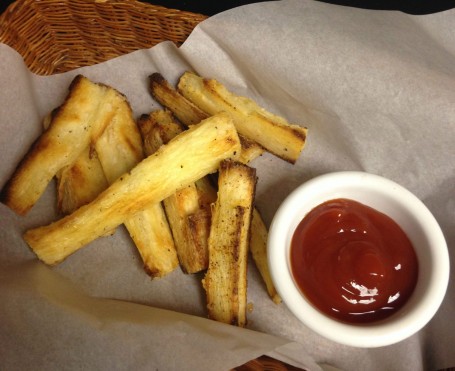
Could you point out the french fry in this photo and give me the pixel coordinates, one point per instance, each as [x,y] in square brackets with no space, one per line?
[193,254]
[119,149]
[183,109]
[80,182]
[79,121]
[186,209]
[188,157]
[207,193]
[199,223]
[198,229]
[152,236]
[225,282]
[272,132]
[258,249]
[250,150]
[157,128]
[189,114]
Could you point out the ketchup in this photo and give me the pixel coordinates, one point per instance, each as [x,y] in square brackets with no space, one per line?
[353,262]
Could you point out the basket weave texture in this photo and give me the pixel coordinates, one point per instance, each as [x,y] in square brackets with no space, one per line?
[56,36]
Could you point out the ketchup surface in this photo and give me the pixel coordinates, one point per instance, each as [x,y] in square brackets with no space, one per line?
[353,262]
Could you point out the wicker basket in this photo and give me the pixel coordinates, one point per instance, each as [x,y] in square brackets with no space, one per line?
[57,36]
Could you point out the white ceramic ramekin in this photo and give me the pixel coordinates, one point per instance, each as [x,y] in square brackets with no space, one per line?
[413,217]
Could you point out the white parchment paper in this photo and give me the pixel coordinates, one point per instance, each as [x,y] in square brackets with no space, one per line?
[376,90]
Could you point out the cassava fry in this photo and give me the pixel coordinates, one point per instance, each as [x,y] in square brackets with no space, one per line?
[250,150]
[183,109]
[193,255]
[188,157]
[80,182]
[79,121]
[187,218]
[225,282]
[189,114]
[119,149]
[258,249]
[272,132]
[151,234]
[157,128]
[207,193]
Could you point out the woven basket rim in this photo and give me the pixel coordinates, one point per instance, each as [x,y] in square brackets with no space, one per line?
[58,36]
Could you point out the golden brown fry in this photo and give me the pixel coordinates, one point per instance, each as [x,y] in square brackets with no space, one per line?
[79,121]
[250,150]
[188,157]
[225,282]
[258,248]
[198,227]
[189,114]
[152,236]
[272,132]
[187,218]
[199,223]
[258,235]
[193,254]
[80,183]
[120,149]
[157,128]
[183,109]
[207,193]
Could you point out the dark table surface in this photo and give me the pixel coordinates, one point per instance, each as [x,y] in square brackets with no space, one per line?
[211,7]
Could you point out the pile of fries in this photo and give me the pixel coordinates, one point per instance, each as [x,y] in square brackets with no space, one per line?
[177,178]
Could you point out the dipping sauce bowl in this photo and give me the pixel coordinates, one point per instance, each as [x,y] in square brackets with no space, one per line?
[430,255]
